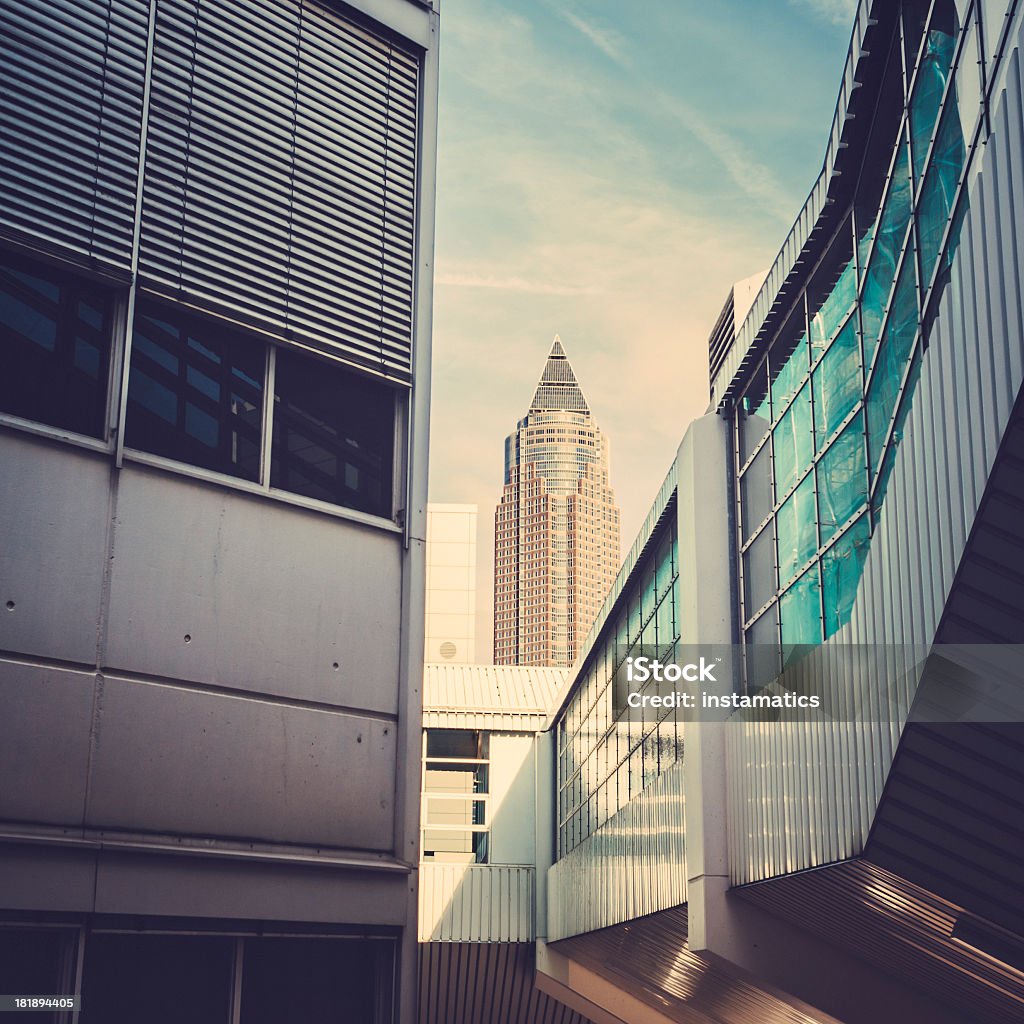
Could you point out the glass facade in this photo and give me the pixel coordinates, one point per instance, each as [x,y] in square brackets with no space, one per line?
[821,416]
[603,760]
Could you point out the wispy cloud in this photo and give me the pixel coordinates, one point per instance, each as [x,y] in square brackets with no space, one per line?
[607,41]
[510,284]
[750,175]
[838,12]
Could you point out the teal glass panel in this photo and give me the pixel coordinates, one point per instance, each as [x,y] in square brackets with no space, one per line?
[788,361]
[826,321]
[756,491]
[842,479]
[793,443]
[892,360]
[892,230]
[798,530]
[841,568]
[929,86]
[939,191]
[759,571]
[838,384]
[800,611]
[832,290]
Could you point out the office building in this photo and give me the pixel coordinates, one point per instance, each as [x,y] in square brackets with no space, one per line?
[215,301]
[451,583]
[556,530]
[850,503]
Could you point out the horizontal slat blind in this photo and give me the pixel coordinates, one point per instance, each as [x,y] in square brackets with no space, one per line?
[71,85]
[280,175]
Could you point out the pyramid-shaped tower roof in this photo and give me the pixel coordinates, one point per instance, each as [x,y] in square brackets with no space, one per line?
[557,389]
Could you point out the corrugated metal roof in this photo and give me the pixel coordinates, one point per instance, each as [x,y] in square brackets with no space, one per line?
[901,928]
[484,983]
[514,697]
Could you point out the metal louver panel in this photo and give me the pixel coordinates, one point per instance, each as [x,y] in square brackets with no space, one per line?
[280,175]
[71,85]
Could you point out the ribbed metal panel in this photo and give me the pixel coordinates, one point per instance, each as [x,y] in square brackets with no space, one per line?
[633,865]
[476,903]
[280,175]
[805,795]
[505,698]
[71,88]
[485,983]
[649,959]
[902,928]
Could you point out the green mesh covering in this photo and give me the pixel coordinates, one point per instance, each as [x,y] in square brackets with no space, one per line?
[798,534]
[842,479]
[924,104]
[837,383]
[891,360]
[794,445]
[841,567]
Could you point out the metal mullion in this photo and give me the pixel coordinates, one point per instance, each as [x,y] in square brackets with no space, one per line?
[267,417]
[236,981]
[126,353]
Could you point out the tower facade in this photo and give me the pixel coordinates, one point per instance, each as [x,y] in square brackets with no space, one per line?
[556,530]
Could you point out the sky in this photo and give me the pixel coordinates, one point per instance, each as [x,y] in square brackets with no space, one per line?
[606,171]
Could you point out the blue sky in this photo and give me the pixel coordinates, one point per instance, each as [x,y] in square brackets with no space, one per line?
[605,172]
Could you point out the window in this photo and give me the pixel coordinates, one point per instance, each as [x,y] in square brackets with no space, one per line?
[455,787]
[54,347]
[334,435]
[121,973]
[195,392]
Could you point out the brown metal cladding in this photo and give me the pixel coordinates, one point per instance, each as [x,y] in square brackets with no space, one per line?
[485,983]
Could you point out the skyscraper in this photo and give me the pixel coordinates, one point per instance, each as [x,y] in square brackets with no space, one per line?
[556,530]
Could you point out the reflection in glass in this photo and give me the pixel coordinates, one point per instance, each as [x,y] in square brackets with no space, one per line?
[797,530]
[837,383]
[842,479]
[793,443]
[759,571]
[54,348]
[936,60]
[886,253]
[333,434]
[892,360]
[195,391]
[841,568]
[788,361]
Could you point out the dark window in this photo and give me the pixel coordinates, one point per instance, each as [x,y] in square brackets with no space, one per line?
[159,979]
[54,347]
[296,981]
[34,962]
[195,392]
[334,434]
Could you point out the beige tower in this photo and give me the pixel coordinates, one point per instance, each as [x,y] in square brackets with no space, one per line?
[556,531]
